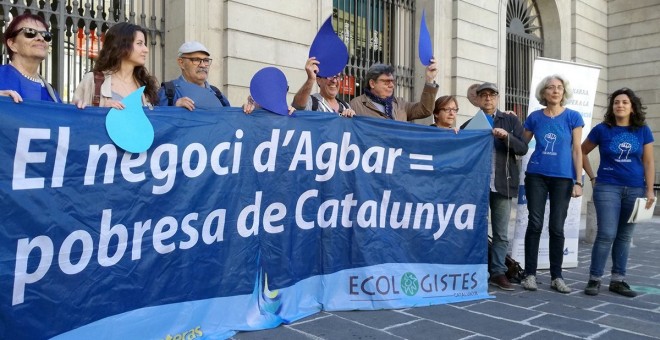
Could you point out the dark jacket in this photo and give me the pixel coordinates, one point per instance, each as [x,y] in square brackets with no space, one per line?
[507,174]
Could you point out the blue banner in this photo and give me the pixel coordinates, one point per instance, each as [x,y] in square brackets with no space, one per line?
[231,221]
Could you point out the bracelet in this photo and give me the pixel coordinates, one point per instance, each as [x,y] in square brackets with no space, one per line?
[580,184]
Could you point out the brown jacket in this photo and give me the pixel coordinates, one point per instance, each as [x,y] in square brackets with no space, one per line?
[401,109]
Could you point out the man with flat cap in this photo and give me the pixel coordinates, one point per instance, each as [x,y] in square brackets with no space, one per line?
[192,89]
[504,179]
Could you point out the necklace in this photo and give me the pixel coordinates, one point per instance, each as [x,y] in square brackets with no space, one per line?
[551,114]
[36,79]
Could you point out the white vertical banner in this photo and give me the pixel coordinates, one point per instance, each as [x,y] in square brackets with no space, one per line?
[584,81]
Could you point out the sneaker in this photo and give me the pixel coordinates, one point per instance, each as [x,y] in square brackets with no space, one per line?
[500,281]
[559,285]
[529,283]
[621,287]
[593,287]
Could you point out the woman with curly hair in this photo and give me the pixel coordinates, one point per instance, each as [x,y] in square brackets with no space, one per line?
[119,70]
[626,172]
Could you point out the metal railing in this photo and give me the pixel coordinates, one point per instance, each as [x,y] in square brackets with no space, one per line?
[376,31]
[524,42]
[78,29]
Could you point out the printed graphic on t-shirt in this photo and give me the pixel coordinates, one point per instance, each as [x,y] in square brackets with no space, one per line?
[623,145]
[551,137]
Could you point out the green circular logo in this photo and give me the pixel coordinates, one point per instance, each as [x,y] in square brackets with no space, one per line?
[409,284]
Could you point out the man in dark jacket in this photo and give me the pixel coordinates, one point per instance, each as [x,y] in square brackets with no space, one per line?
[504,180]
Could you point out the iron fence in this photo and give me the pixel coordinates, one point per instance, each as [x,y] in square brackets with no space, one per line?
[376,31]
[524,42]
[78,29]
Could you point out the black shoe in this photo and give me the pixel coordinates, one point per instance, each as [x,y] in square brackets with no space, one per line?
[620,287]
[593,287]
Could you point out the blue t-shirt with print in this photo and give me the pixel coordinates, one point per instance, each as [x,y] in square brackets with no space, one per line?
[621,149]
[553,155]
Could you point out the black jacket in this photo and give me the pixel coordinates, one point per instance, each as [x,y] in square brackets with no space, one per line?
[507,174]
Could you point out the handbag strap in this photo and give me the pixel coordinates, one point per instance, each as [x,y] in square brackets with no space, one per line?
[99,78]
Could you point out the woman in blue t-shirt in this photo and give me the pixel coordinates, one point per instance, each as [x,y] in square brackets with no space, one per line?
[626,172]
[553,170]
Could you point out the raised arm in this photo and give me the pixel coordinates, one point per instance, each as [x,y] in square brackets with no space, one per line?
[302,96]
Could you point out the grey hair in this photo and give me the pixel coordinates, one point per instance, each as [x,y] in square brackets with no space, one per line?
[568,90]
[375,71]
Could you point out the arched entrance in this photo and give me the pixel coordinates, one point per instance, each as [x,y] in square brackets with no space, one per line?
[524,42]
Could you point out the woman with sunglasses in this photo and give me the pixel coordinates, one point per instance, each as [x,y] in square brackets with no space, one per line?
[27,39]
[119,70]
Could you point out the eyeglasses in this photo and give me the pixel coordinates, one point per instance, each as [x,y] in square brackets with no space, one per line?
[447,110]
[31,33]
[338,77]
[387,81]
[199,61]
[488,94]
[554,87]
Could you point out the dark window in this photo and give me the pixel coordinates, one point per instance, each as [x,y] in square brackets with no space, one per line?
[524,42]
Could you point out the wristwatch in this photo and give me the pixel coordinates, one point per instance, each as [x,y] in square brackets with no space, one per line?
[580,184]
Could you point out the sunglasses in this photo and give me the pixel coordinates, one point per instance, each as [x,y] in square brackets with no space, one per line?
[31,33]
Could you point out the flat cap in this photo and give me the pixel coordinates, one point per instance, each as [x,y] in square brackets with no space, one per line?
[488,86]
[192,46]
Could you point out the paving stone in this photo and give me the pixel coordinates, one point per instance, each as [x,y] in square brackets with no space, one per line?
[651,298]
[569,312]
[521,299]
[565,325]
[545,334]
[334,327]
[615,334]
[501,310]
[633,325]
[639,314]
[425,329]
[467,320]
[377,319]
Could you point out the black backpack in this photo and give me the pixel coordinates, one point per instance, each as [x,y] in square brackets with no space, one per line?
[169,92]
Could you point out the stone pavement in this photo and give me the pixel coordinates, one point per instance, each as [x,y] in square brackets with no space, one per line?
[544,314]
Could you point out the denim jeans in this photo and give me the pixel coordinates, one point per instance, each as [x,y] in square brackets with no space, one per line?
[537,188]
[614,205]
[500,213]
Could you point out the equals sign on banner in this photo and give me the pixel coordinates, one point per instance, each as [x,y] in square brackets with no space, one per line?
[421,162]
